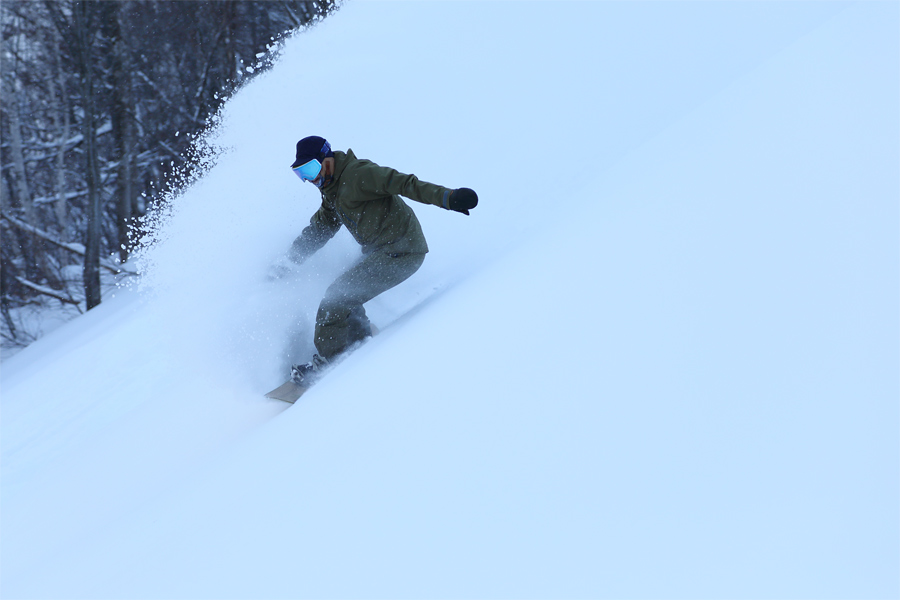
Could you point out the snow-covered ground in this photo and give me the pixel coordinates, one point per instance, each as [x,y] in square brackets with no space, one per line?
[660,359]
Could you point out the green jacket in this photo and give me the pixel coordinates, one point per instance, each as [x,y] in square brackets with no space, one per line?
[365,198]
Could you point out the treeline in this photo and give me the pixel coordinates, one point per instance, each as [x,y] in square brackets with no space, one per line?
[100,102]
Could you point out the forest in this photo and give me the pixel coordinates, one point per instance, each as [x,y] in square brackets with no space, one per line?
[101,101]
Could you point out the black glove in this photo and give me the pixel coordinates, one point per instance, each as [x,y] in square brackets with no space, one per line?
[462,200]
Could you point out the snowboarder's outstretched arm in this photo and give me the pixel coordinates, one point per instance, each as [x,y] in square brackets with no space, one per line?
[380,181]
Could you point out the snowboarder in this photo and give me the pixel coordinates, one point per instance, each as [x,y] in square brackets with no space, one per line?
[365,198]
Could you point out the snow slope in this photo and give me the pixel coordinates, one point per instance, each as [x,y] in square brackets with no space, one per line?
[660,359]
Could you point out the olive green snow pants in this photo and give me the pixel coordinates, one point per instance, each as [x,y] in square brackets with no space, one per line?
[341,320]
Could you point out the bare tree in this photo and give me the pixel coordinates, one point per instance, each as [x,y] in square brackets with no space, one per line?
[101,100]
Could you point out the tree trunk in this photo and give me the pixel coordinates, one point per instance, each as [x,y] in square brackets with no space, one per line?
[64,127]
[122,123]
[91,274]
[22,192]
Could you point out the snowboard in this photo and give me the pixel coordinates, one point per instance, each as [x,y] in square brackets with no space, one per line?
[290,392]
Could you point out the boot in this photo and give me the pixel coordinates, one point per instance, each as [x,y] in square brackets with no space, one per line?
[308,373]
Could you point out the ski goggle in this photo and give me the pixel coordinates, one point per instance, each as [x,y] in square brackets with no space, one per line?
[308,171]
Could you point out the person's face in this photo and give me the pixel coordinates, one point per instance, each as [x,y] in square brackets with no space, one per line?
[317,181]
[324,173]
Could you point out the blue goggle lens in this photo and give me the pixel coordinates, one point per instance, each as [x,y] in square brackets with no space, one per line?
[308,171]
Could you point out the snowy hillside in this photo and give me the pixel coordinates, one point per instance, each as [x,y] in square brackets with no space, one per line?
[660,359]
